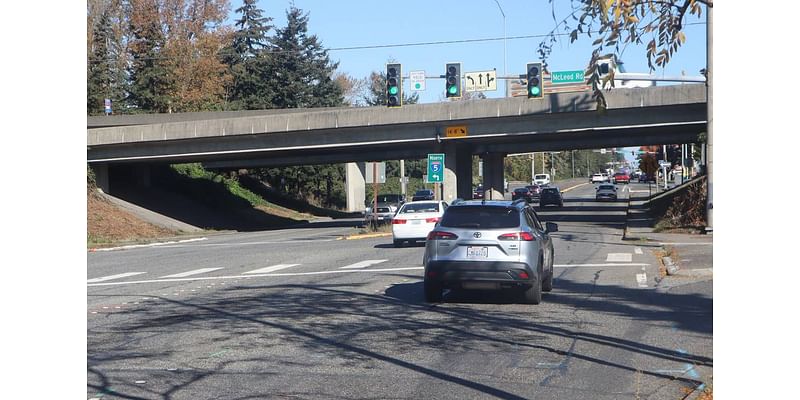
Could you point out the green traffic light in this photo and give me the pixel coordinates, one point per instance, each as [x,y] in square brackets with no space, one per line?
[393,90]
[452,89]
[535,91]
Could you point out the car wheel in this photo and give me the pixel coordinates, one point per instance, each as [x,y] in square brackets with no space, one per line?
[547,285]
[433,292]
[533,295]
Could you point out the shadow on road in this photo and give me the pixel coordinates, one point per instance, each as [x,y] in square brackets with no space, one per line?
[346,326]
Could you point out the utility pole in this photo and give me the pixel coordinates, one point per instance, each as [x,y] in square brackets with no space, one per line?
[403,177]
[710,117]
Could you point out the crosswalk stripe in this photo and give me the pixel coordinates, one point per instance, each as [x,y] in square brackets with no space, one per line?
[601,265]
[363,264]
[110,277]
[190,273]
[638,250]
[619,257]
[271,269]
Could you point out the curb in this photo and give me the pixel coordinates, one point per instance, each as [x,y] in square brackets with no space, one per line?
[672,268]
[365,236]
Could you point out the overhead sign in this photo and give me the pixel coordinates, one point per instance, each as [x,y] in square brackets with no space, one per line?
[567,77]
[480,81]
[435,168]
[417,79]
[456,131]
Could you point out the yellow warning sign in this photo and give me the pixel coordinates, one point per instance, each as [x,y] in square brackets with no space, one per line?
[456,131]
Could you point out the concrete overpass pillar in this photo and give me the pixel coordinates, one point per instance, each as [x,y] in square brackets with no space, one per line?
[493,176]
[101,177]
[458,173]
[355,184]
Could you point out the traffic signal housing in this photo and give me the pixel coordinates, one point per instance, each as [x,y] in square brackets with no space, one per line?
[394,85]
[452,76]
[534,76]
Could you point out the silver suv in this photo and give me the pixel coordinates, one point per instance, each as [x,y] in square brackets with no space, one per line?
[496,245]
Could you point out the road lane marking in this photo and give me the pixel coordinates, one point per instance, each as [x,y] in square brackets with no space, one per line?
[363,264]
[206,278]
[110,277]
[638,250]
[601,265]
[619,257]
[641,279]
[137,246]
[686,244]
[271,269]
[190,273]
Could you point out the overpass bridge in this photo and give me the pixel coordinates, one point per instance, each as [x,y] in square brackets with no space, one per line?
[492,128]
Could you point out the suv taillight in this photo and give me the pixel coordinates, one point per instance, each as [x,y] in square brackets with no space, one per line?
[398,221]
[438,235]
[523,236]
[434,220]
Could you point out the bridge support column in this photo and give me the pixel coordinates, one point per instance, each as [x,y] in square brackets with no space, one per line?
[355,185]
[494,187]
[457,173]
[101,177]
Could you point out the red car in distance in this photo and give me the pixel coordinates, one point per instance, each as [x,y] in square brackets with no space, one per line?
[620,177]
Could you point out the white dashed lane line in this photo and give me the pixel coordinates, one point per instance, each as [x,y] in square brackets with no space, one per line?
[190,273]
[111,277]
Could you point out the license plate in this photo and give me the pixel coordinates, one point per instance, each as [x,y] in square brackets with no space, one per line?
[477,252]
[416,221]
[479,285]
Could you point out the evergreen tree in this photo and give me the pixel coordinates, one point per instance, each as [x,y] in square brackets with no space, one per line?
[303,71]
[107,56]
[149,77]
[248,60]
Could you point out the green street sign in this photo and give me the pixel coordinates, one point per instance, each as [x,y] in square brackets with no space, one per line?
[435,168]
[567,77]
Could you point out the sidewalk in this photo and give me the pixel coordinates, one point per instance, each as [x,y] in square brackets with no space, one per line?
[687,254]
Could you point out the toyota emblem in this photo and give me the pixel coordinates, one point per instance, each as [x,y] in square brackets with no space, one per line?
[476,235]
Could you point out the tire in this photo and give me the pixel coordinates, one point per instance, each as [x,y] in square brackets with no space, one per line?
[433,292]
[533,295]
[547,285]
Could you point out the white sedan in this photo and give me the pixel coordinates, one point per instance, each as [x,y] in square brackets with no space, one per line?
[415,220]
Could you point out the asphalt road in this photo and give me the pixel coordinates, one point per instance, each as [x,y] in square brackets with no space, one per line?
[298,313]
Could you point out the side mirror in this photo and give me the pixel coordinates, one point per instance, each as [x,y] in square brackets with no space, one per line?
[551,227]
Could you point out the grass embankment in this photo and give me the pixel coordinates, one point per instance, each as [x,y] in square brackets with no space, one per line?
[186,192]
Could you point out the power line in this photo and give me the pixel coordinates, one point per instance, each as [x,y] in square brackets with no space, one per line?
[418,44]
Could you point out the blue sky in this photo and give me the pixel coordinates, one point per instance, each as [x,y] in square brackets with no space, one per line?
[341,24]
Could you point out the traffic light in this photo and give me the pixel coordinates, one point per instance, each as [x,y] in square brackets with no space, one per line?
[535,90]
[452,80]
[394,86]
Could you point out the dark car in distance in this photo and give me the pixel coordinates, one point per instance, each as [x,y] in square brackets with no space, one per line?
[551,195]
[424,194]
[535,190]
[522,193]
[478,192]
[644,178]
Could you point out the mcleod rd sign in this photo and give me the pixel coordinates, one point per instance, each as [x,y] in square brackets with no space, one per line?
[567,77]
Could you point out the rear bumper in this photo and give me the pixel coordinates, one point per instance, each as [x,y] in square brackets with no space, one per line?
[480,274]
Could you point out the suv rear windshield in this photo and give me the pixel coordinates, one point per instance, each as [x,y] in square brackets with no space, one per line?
[423,193]
[521,190]
[540,177]
[550,190]
[480,217]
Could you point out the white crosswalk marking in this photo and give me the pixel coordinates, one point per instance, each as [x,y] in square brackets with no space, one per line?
[619,257]
[638,250]
[110,277]
[190,273]
[273,268]
[363,264]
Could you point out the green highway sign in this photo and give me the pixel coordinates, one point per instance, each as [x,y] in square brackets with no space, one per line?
[567,77]
[435,168]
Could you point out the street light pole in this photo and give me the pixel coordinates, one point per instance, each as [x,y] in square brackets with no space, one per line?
[505,71]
